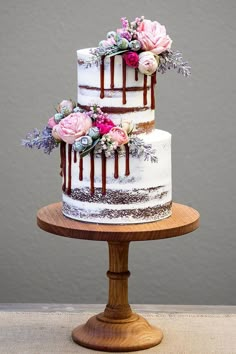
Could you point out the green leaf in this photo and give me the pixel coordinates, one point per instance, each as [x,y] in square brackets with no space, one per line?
[116,53]
[87,151]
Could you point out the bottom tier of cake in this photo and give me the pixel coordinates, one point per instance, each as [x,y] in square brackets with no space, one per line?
[120,189]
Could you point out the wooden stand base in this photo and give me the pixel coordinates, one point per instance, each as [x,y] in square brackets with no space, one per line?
[118,329]
[120,336]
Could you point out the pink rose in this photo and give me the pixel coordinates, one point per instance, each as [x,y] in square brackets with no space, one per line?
[153,37]
[66,107]
[104,125]
[147,63]
[118,135]
[131,59]
[55,133]
[104,128]
[73,126]
[51,122]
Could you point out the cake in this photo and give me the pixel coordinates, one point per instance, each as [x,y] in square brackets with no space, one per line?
[115,165]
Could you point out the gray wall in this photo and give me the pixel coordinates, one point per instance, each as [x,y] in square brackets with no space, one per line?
[38,68]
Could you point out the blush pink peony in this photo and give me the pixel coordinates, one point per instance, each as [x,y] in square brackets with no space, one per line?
[147,63]
[73,126]
[118,135]
[153,37]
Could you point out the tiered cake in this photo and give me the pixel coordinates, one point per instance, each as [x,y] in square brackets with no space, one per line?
[118,189]
[115,166]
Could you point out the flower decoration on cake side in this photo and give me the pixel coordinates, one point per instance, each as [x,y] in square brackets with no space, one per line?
[144,45]
[88,130]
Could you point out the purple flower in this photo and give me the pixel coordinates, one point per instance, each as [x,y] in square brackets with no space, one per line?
[127,35]
[125,22]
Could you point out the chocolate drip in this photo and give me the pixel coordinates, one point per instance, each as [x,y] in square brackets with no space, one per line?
[61,155]
[81,169]
[112,71]
[123,81]
[92,172]
[153,82]
[145,127]
[63,164]
[116,169]
[104,172]
[102,69]
[127,170]
[75,156]
[155,77]
[144,90]
[108,90]
[136,74]
[69,168]
[116,110]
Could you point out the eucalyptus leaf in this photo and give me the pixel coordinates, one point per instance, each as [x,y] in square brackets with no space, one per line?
[87,151]
[120,52]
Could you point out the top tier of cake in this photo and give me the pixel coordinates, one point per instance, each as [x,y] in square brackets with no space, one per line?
[121,91]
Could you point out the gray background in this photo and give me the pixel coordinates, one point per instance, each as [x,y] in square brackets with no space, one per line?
[39,40]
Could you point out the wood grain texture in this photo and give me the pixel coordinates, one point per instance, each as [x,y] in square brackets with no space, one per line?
[117,337]
[118,329]
[118,307]
[183,220]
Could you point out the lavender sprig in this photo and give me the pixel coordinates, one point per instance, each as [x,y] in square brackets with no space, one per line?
[41,140]
[173,60]
[138,148]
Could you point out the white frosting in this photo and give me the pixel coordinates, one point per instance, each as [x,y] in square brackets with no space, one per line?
[90,94]
[144,175]
[144,195]
[147,173]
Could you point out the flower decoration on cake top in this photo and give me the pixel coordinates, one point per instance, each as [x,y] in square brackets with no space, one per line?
[88,130]
[143,44]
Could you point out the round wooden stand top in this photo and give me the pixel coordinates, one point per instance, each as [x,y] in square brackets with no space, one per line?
[183,220]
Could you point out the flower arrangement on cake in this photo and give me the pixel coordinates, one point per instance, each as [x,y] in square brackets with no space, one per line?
[144,46]
[86,131]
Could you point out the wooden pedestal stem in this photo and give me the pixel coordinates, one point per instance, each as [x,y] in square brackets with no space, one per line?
[118,274]
[118,329]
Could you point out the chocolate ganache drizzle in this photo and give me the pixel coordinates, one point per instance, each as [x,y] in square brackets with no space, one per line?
[66,167]
[66,149]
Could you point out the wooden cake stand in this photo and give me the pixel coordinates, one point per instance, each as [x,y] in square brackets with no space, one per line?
[118,328]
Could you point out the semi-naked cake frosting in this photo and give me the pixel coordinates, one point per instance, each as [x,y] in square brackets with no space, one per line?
[119,189]
[121,91]
[115,165]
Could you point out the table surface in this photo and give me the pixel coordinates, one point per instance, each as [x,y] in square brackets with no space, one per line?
[183,220]
[46,328]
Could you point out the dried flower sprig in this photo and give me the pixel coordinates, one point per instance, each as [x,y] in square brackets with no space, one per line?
[41,140]
[107,146]
[137,148]
[173,60]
